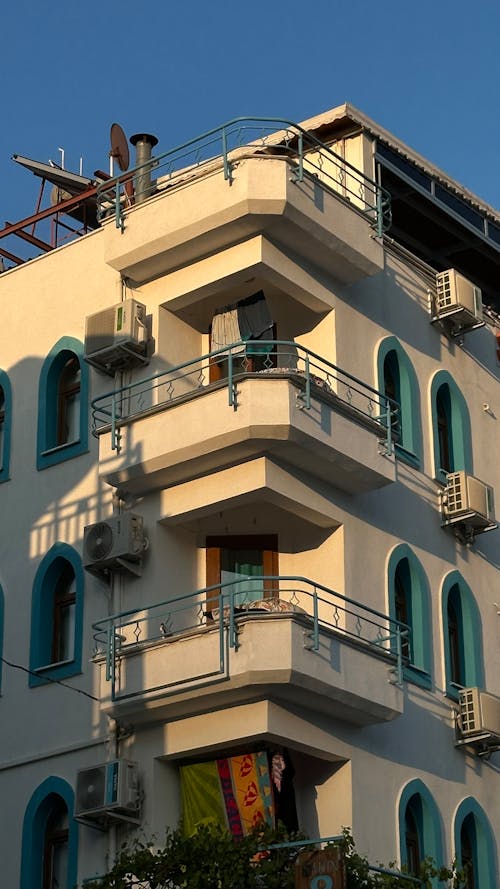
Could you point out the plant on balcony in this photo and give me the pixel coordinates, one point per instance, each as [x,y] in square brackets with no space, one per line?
[213,859]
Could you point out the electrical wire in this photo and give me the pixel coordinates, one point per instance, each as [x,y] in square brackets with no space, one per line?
[79,691]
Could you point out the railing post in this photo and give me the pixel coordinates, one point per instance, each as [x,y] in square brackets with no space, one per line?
[230,382]
[228,172]
[233,641]
[300,150]
[118,207]
[388,413]
[110,652]
[380,213]
[316,623]
[399,654]
[308,384]
[114,441]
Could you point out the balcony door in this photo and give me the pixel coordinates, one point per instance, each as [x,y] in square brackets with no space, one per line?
[238,564]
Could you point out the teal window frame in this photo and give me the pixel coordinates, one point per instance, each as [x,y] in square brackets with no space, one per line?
[470,634]
[2,619]
[459,428]
[42,616]
[409,447]
[36,818]
[49,452]
[419,670]
[427,819]
[6,427]
[483,843]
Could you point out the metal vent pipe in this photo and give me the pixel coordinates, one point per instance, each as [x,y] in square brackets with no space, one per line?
[144,144]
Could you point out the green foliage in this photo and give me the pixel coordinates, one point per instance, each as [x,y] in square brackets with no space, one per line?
[361,875]
[213,859]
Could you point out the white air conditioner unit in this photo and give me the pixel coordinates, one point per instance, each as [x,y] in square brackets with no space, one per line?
[116,544]
[458,300]
[109,789]
[479,713]
[469,500]
[116,338]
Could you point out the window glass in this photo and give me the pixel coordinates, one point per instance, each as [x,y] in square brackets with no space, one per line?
[2,425]
[68,408]
[63,623]
[443,410]
[55,859]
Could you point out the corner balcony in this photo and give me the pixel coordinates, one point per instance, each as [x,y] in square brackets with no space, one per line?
[274,399]
[248,177]
[285,639]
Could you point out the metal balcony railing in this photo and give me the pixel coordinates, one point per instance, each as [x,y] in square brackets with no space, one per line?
[264,137]
[220,609]
[271,359]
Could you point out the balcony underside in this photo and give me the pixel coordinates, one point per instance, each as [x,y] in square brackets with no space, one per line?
[262,721]
[207,214]
[186,675]
[204,435]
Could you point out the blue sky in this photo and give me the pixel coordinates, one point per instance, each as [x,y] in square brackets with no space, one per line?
[427,71]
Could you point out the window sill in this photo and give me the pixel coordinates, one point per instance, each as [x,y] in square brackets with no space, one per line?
[50,673]
[52,456]
[417,676]
[407,456]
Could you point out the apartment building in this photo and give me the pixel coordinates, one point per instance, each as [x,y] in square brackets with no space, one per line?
[249,560]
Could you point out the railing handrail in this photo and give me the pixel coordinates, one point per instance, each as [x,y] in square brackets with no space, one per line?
[221,128]
[198,594]
[109,191]
[154,378]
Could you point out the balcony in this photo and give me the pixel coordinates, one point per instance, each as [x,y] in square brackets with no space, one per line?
[236,404]
[285,639]
[248,177]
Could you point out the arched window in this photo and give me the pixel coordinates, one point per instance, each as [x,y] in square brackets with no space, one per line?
[5,425]
[63,404]
[57,616]
[462,636]
[420,828]
[50,838]
[475,846]
[397,379]
[408,594]
[451,427]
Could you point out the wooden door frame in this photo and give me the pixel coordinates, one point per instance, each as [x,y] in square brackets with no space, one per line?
[268,543]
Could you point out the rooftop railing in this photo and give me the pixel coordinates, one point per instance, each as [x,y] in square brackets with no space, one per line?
[220,610]
[313,376]
[222,148]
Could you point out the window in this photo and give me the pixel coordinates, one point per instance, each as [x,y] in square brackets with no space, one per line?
[248,319]
[462,636]
[408,593]
[398,381]
[57,616]
[5,425]
[419,826]
[50,838]
[63,404]
[475,845]
[451,426]
[239,564]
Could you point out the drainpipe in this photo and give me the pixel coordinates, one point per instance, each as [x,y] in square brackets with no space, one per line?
[144,143]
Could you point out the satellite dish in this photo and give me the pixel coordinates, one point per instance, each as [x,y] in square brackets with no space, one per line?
[119,147]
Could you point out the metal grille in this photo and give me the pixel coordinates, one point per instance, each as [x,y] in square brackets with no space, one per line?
[100,330]
[468,711]
[444,297]
[455,494]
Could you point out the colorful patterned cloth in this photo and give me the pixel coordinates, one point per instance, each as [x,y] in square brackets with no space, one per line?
[235,793]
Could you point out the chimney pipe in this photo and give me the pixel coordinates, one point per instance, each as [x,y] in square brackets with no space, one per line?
[144,143]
